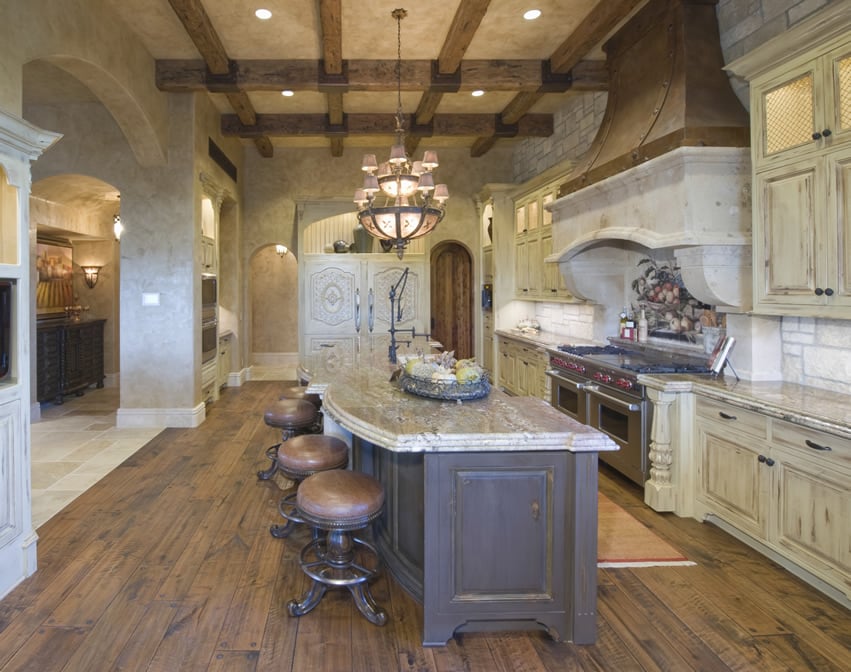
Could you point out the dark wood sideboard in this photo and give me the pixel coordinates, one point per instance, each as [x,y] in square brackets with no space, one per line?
[69,358]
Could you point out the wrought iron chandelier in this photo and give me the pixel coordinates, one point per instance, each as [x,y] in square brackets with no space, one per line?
[411,204]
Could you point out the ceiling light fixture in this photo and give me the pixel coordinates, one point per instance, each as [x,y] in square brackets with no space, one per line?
[263,14]
[532,14]
[287,93]
[412,205]
[477,93]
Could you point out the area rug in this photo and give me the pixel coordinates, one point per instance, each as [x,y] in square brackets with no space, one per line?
[623,541]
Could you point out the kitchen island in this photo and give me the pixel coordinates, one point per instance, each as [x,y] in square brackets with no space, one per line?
[491,505]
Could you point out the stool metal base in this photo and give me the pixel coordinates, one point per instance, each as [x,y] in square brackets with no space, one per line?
[272,454]
[289,511]
[330,561]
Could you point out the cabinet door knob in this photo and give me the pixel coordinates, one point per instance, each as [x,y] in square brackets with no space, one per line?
[769,462]
[828,292]
[826,133]
[761,458]
[816,136]
[819,291]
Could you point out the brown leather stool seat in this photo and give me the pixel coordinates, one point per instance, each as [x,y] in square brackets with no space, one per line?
[340,502]
[298,458]
[292,417]
[299,392]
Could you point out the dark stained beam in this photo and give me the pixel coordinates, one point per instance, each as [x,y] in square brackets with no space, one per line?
[461,31]
[331,22]
[180,76]
[276,125]
[590,32]
[588,76]
[200,30]
[219,68]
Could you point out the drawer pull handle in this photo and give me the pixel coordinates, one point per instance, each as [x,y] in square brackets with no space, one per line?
[727,416]
[816,446]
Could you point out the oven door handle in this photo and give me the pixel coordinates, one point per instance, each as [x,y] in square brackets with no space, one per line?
[575,384]
[593,389]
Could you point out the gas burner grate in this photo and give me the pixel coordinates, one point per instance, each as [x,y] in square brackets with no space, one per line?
[667,368]
[584,350]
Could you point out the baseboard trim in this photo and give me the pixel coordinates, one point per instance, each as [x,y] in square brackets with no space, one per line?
[160,417]
[237,378]
[274,358]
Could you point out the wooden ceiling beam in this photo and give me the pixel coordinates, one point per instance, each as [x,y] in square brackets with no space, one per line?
[463,28]
[590,32]
[200,30]
[218,67]
[331,22]
[473,125]
[361,75]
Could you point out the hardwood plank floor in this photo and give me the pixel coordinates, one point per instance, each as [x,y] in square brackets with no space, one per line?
[167,564]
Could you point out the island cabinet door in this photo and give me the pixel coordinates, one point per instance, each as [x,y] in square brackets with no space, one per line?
[500,543]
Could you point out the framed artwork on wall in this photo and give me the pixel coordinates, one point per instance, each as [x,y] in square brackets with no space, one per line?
[55,267]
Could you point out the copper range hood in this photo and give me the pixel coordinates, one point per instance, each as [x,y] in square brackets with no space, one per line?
[667,89]
[668,173]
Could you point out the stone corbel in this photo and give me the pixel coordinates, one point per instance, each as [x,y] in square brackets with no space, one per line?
[672,468]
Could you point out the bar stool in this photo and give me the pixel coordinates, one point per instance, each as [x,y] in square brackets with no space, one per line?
[292,417]
[340,502]
[300,392]
[298,458]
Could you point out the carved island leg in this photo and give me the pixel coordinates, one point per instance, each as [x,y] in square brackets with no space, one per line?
[671,446]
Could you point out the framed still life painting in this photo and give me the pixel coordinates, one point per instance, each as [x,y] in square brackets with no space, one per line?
[54,266]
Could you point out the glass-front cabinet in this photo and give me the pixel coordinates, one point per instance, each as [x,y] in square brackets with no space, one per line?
[800,88]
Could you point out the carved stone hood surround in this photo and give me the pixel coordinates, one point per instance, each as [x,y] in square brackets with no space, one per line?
[669,169]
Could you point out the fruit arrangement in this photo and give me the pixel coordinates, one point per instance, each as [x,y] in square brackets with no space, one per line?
[444,377]
[444,367]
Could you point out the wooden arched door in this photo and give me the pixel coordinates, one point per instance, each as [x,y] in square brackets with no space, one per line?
[452,298]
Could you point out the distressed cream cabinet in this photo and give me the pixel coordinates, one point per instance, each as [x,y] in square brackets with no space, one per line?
[345,296]
[801,150]
[785,485]
[522,368]
[533,241]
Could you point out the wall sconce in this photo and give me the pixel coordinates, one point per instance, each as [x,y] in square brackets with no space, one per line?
[91,273]
[281,250]
[117,227]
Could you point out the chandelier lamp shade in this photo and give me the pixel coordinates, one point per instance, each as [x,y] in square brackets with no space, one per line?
[399,200]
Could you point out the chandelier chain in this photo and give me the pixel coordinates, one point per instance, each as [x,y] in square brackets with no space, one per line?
[399,14]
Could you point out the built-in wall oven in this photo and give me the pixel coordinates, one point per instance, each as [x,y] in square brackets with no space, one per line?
[209,315]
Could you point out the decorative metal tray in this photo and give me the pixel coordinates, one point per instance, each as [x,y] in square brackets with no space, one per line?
[445,389]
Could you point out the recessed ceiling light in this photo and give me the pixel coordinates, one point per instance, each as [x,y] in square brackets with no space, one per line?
[263,14]
[287,93]
[532,14]
[477,93]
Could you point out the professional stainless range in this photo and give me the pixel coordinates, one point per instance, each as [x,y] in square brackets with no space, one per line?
[598,386]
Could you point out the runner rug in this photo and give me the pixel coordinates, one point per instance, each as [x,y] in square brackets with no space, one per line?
[623,541]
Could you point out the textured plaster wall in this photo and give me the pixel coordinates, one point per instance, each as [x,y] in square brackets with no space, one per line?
[815,351]
[273,286]
[158,343]
[86,37]
[273,186]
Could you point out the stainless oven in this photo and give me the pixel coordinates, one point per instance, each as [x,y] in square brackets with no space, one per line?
[209,340]
[623,416]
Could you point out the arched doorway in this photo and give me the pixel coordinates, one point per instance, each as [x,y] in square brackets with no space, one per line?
[452,298]
[273,305]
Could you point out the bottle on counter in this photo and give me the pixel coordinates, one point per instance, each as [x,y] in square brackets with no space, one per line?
[642,327]
[622,328]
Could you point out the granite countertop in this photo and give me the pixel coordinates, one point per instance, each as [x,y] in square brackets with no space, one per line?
[358,395]
[547,340]
[811,407]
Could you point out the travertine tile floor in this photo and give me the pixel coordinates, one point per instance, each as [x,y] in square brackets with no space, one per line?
[75,444]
